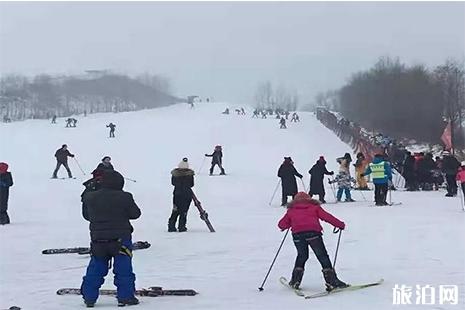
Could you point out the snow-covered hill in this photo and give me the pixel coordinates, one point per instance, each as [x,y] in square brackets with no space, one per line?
[420,242]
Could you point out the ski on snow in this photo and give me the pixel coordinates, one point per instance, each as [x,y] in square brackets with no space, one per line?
[139,245]
[301,293]
[154,291]
[203,213]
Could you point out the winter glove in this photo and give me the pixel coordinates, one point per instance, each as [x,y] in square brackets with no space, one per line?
[71,155]
[206,154]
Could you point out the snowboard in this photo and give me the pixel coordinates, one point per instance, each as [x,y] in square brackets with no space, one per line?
[139,245]
[203,213]
[154,291]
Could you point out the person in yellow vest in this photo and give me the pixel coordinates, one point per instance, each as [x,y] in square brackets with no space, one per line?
[360,167]
[381,173]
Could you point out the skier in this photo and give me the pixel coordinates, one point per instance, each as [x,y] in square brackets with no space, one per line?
[112,129]
[182,178]
[74,122]
[226,111]
[282,122]
[303,218]
[382,175]
[255,113]
[360,167]
[287,173]
[54,119]
[242,111]
[62,159]
[263,115]
[217,159]
[450,164]
[6,181]
[343,180]
[69,122]
[109,210]
[461,177]
[295,118]
[317,173]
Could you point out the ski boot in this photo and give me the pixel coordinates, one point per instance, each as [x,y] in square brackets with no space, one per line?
[296,279]
[172,229]
[182,229]
[222,172]
[89,303]
[128,302]
[331,280]
[349,200]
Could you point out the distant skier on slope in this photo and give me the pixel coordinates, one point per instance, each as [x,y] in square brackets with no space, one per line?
[282,123]
[109,211]
[317,173]
[112,129]
[62,155]
[217,159]
[182,178]
[303,218]
[381,174]
[6,181]
[287,173]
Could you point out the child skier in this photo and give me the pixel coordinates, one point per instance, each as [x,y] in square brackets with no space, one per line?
[217,159]
[343,180]
[303,218]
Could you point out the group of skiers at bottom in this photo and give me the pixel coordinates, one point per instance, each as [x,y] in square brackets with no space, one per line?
[379,169]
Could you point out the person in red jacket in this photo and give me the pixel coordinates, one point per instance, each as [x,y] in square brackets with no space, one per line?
[303,218]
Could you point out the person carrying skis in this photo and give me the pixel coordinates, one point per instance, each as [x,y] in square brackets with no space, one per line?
[109,210]
[62,155]
[303,218]
[360,167]
[381,176]
[217,159]
[112,129]
[182,178]
[343,180]
[282,123]
[317,174]
[287,173]
[450,164]
[6,181]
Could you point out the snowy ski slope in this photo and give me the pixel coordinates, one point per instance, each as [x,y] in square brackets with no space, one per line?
[420,242]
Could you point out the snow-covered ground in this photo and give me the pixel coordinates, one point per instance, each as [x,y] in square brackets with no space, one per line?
[420,242]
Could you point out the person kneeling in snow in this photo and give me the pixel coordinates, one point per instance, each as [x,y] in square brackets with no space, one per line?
[303,218]
[343,180]
[109,210]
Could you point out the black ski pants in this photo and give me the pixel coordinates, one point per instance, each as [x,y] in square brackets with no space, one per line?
[381,193]
[181,205]
[315,241]
[451,184]
[65,164]
[4,193]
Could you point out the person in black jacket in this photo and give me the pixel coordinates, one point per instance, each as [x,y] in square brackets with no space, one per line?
[6,181]
[109,210]
[317,174]
[450,166]
[182,178]
[112,129]
[408,172]
[62,159]
[217,159]
[287,173]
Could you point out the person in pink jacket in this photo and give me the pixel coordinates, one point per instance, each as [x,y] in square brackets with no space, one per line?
[461,177]
[303,218]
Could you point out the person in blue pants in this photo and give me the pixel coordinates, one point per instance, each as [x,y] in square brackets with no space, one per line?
[109,210]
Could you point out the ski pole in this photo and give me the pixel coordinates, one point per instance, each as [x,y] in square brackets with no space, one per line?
[332,188]
[274,193]
[303,184]
[201,166]
[272,263]
[337,230]
[79,166]
[132,180]
[361,193]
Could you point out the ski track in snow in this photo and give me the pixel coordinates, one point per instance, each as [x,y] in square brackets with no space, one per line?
[420,242]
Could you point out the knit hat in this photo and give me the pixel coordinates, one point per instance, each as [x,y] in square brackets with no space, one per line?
[302,196]
[3,167]
[105,157]
[184,164]
[322,159]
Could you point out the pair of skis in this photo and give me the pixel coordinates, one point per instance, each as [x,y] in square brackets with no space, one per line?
[139,245]
[306,295]
[203,213]
[154,291]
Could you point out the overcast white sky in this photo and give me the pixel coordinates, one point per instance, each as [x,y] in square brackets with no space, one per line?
[224,49]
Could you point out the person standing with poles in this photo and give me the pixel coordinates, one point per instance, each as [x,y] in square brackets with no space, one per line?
[112,129]
[303,218]
[217,159]
[381,175]
[317,174]
[62,155]
[287,173]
